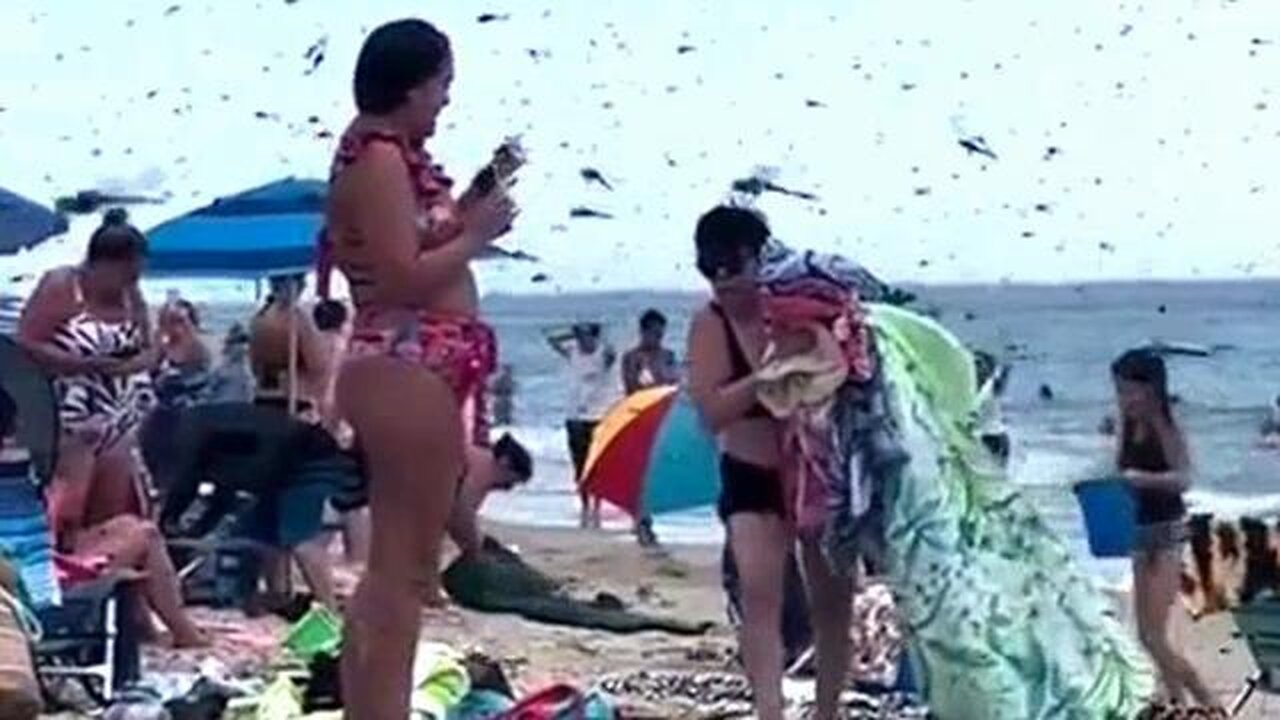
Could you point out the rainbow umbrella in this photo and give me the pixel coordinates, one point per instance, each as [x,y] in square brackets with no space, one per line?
[651,454]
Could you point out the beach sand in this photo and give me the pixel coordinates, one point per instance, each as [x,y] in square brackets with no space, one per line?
[685,583]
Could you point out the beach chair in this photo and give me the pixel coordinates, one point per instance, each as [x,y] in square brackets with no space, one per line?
[81,636]
[1259,625]
[85,640]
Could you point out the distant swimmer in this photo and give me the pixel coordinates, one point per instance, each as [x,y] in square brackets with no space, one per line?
[1107,426]
[1045,393]
[1270,428]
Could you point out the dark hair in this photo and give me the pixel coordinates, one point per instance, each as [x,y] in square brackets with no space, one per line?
[116,240]
[652,318]
[1147,368]
[396,58]
[189,308]
[517,459]
[8,414]
[285,286]
[236,335]
[329,315]
[722,236]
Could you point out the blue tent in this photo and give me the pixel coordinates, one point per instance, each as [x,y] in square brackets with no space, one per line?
[269,230]
[264,231]
[24,223]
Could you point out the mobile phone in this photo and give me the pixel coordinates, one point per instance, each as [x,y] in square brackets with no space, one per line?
[486,180]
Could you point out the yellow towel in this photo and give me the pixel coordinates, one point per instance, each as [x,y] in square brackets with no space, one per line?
[805,379]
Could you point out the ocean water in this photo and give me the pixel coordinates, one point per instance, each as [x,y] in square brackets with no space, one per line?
[1063,337]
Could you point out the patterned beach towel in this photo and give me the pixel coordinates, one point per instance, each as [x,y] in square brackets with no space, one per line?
[1001,621]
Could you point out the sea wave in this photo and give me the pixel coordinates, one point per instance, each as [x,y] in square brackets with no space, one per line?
[1232,505]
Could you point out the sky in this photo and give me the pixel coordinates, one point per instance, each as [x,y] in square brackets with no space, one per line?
[1133,140]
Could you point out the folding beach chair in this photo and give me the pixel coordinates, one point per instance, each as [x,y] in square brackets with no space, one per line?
[1259,624]
[86,639]
[82,636]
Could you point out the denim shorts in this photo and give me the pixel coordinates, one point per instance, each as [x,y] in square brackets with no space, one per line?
[1157,537]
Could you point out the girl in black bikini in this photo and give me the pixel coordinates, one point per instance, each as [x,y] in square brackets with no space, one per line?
[727,338]
[1152,456]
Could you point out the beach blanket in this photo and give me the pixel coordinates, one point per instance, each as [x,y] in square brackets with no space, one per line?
[1001,621]
[498,581]
[707,695]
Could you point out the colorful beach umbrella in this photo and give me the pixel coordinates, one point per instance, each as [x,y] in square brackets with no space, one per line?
[651,454]
[25,223]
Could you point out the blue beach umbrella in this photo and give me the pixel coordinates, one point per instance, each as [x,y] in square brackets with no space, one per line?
[24,223]
[268,230]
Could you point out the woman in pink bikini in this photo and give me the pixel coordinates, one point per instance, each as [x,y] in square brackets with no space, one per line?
[419,356]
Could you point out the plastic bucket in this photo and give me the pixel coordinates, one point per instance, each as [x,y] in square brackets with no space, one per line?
[1109,521]
[318,632]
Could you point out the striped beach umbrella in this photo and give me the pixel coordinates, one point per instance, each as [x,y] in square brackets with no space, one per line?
[651,454]
[263,231]
[25,223]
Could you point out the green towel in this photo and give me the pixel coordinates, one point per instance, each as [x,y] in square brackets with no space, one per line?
[1002,622]
[498,581]
[440,680]
[280,701]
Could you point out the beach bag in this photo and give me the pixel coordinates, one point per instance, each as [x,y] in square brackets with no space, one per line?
[561,702]
[19,689]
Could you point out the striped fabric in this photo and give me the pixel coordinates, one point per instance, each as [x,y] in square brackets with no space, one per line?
[112,405]
[24,531]
[10,308]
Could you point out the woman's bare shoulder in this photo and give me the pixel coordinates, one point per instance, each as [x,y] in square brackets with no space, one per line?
[706,320]
[59,278]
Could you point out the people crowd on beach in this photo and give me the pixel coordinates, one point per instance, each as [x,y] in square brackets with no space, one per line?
[400,379]
[591,363]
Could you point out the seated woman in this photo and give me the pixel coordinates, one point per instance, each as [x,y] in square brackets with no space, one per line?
[183,376]
[88,326]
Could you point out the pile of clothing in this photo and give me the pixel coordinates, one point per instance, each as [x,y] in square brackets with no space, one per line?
[821,374]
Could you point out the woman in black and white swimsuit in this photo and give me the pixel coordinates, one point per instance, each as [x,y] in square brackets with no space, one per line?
[87,325]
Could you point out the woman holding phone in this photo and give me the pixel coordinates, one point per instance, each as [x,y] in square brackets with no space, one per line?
[413,382]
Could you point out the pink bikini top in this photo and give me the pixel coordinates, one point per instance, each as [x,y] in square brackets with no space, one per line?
[437,220]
